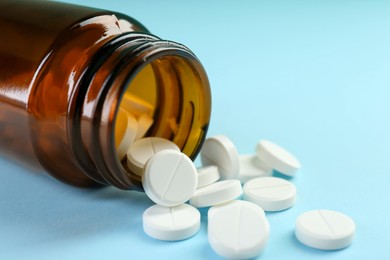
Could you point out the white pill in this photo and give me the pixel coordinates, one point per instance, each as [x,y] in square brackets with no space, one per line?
[325,229]
[126,134]
[237,229]
[170,178]
[277,157]
[252,167]
[220,151]
[170,224]
[270,193]
[144,123]
[136,105]
[207,175]
[216,193]
[142,149]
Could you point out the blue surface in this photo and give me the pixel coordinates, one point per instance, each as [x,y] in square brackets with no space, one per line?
[311,76]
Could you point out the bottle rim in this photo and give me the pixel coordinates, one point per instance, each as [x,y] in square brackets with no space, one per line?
[130,53]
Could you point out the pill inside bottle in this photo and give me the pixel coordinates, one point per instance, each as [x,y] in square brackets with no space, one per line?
[154,99]
[85,84]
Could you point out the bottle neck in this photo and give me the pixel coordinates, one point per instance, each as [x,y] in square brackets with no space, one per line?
[164,74]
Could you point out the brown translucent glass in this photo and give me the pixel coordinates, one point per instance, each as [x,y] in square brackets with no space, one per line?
[64,71]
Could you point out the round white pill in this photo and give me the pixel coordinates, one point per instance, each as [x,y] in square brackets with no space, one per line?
[251,167]
[325,229]
[170,224]
[126,132]
[220,151]
[170,178]
[270,193]
[237,229]
[136,105]
[277,157]
[216,193]
[142,149]
[207,175]
[144,124]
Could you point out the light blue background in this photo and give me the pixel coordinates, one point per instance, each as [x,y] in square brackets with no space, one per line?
[312,76]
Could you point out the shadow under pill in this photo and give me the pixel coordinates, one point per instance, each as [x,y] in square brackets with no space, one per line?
[277,174]
[208,252]
[309,250]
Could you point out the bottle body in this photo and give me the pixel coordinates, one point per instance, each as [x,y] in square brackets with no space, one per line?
[64,71]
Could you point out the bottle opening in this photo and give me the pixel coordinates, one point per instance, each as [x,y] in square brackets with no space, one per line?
[136,110]
[167,98]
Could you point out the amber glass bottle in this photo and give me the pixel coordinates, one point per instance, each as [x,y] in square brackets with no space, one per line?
[65,72]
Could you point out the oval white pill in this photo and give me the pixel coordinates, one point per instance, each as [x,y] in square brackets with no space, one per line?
[126,133]
[216,193]
[170,224]
[142,149]
[251,167]
[237,229]
[220,151]
[270,193]
[170,178]
[325,229]
[277,157]
[207,175]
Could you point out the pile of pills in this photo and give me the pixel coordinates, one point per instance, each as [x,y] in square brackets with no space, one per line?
[236,189]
